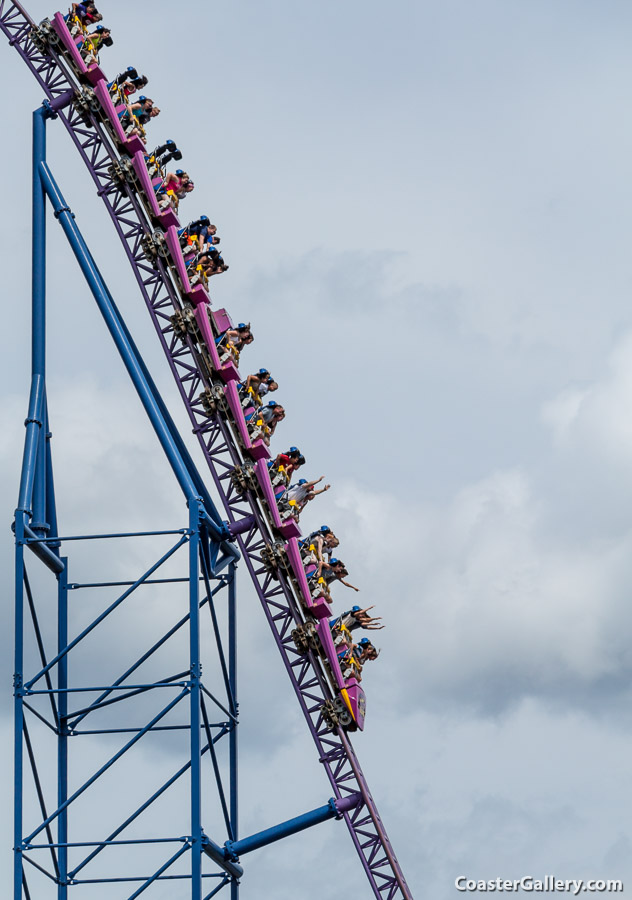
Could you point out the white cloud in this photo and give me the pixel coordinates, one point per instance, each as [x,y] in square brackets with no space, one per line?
[597,416]
[478,608]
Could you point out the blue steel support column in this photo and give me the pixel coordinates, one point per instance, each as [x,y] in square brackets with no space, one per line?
[51,505]
[18,677]
[62,740]
[39,524]
[34,423]
[195,701]
[233,738]
[38,347]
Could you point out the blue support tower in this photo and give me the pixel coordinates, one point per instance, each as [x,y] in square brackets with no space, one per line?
[55,697]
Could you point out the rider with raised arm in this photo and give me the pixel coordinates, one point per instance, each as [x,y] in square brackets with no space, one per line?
[355,618]
[303,491]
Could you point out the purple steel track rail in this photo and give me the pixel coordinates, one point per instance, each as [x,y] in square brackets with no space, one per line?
[160,291]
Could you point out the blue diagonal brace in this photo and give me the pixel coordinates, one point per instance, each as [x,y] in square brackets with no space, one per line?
[335,809]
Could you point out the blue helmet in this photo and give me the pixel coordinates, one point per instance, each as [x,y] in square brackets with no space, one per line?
[179,171]
[204,220]
[294,450]
[142,98]
[325,528]
[356,608]
[334,562]
[272,403]
[263,372]
[364,642]
[241,326]
[302,481]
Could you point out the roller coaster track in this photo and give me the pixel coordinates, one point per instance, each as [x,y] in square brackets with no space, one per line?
[161,294]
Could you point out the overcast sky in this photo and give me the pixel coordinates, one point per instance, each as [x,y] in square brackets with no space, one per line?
[426,211]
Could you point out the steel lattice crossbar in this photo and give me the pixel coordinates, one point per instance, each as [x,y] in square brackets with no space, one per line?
[161,295]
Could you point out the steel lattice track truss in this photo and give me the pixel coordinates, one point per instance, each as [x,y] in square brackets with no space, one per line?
[161,294]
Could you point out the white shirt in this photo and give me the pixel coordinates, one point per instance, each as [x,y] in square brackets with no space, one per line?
[298,492]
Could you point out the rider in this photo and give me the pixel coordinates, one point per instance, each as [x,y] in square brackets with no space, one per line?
[218,264]
[355,618]
[197,235]
[303,491]
[318,545]
[256,386]
[281,469]
[335,570]
[264,420]
[288,462]
[174,188]
[232,341]
[136,116]
[81,16]
[271,414]
[158,159]
[125,84]
[204,265]
[83,11]
[367,651]
[352,658]
[89,48]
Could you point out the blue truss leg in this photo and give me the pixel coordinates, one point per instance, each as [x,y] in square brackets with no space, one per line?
[39,312]
[195,703]
[62,740]
[51,505]
[18,867]
[32,499]
[39,524]
[233,738]
[34,423]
